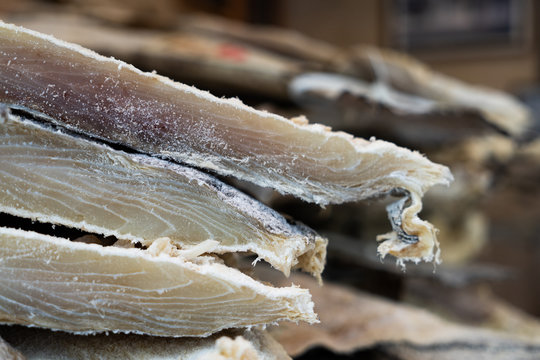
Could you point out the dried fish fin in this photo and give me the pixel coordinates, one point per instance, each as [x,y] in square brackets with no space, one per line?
[313,261]
[80,183]
[86,288]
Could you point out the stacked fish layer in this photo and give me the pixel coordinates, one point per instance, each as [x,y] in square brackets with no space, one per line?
[128,160]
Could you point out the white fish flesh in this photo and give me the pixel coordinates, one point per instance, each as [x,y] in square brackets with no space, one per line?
[87,288]
[60,178]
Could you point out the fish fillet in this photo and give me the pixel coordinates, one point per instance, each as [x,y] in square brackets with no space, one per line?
[86,288]
[41,344]
[212,63]
[60,178]
[111,100]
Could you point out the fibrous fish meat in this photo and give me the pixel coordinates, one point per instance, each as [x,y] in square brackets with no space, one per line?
[60,178]
[112,100]
[108,99]
[86,288]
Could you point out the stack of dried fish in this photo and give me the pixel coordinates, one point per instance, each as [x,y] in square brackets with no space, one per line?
[123,165]
[392,96]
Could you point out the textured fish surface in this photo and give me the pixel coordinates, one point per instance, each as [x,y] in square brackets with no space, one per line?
[237,344]
[109,99]
[59,178]
[396,71]
[86,288]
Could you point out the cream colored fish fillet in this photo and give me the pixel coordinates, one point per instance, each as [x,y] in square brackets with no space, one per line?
[86,288]
[111,100]
[58,178]
[41,344]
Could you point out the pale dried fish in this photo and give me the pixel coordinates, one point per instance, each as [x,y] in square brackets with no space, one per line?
[109,99]
[54,177]
[112,100]
[353,320]
[41,344]
[397,74]
[209,62]
[86,288]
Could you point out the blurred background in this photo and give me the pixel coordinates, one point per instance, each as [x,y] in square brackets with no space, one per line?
[455,80]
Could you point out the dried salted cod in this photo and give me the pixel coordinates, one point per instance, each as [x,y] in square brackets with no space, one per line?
[111,100]
[352,320]
[86,288]
[41,344]
[398,76]
[363,107]
[61,178]
[212,63]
